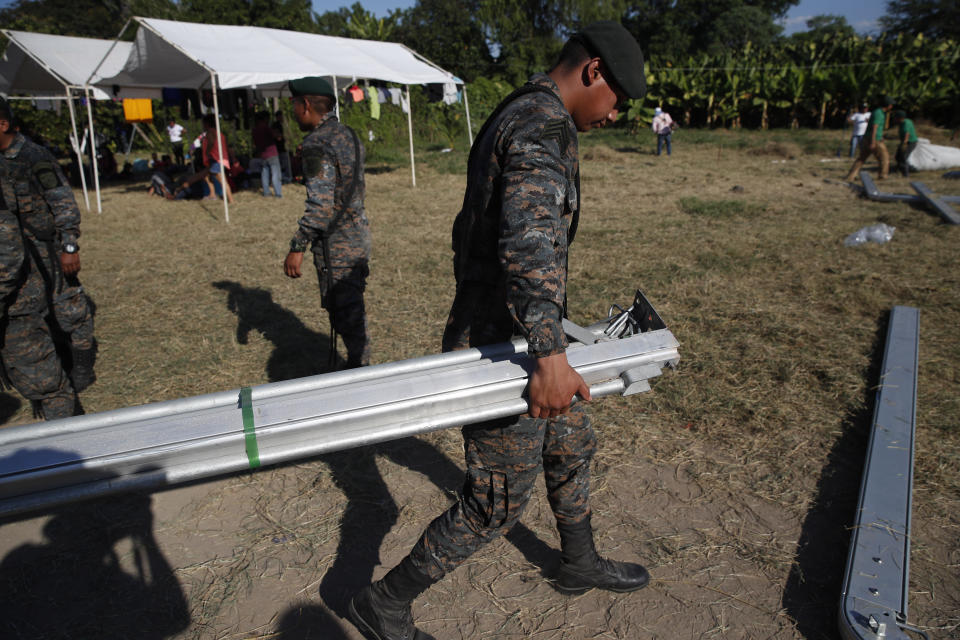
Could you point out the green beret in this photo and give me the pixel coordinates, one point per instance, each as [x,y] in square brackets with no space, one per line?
[311,86]
[621,55]
[900,113]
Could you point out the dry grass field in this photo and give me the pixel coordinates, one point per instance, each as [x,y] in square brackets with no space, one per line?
[735,480]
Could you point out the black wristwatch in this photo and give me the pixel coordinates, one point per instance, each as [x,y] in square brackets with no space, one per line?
[69,247]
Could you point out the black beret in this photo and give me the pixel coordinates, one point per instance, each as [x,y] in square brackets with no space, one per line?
[621,55]
[5,109]
[311,86]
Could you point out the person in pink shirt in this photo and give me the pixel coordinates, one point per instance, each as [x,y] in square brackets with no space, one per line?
[216,157]
[265,146]
[663,126]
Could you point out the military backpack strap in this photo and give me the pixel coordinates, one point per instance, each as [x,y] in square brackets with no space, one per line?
[526,89]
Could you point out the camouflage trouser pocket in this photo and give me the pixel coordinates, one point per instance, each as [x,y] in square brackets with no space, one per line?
[486,496]
[74,315]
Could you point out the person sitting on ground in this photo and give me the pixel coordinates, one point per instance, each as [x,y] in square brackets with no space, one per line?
[908,141]
[161,184]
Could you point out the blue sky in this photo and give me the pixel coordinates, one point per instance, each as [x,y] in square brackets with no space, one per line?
[861,14]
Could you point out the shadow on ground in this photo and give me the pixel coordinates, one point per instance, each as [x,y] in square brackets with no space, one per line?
[97,573]
[371,511]
[812,594]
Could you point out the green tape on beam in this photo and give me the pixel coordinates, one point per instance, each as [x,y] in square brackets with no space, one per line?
[249,431]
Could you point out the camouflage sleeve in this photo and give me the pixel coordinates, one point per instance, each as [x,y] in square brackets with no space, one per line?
[11,253]
[532,241]
[59,197]
[320,178]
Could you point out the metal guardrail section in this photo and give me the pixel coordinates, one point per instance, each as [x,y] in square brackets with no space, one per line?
[874,599]
[165,443]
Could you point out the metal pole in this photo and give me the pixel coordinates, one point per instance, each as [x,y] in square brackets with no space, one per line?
[109,51]
[223,165]
[336,95]
[466,104]
[413,165]
[93,148]
[75,141]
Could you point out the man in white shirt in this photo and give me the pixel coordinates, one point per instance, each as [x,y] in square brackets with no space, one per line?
[860,120]
[663,127]
[175,131]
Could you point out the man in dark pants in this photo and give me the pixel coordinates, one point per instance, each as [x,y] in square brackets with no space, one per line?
[907,136]
[510,243]
[35,190]
[334,224]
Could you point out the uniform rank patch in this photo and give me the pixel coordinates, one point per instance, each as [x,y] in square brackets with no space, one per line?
[46,176]
[557,130]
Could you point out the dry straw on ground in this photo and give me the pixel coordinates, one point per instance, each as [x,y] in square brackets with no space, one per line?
[734,480]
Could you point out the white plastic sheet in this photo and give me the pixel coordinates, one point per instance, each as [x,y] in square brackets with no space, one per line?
[933,157]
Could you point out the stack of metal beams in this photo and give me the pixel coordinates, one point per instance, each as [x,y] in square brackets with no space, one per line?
[165,443]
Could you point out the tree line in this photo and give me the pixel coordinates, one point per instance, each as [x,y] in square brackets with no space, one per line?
[717,63]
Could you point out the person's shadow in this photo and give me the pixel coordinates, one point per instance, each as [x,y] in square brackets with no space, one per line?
[98,573]
[816,577]
[371,510]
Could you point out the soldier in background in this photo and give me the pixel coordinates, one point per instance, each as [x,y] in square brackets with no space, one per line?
[48,302]
[334,224]
[510,243]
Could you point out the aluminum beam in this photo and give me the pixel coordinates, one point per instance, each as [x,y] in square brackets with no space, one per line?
[873,604]
[176,441]
[872,192]
[936,203]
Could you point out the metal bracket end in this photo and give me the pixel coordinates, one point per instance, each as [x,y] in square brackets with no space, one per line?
[636,380]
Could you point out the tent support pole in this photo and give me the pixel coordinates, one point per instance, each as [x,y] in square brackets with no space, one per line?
[223,165]
[93,149]
[466,103]
[336,102]
[413,166]
[75,141]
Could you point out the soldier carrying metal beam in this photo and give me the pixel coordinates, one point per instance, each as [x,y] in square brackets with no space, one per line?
[510,244]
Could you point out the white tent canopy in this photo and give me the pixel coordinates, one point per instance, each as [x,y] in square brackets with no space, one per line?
[49,66]
[167,53]
[44,65]
[182,54]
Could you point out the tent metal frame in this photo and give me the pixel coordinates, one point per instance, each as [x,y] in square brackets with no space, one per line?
[216,108]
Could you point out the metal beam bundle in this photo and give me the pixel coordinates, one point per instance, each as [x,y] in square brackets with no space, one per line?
[175,441]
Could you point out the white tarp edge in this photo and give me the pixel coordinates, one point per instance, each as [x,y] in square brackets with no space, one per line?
[933,157]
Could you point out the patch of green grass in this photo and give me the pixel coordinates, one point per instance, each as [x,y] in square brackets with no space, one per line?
[719,208]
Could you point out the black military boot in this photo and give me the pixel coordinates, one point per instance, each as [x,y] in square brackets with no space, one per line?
[81,372]
[381,611]
[582,569]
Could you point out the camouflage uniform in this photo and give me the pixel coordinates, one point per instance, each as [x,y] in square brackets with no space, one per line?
[337,231]
[510,244]
[37,193]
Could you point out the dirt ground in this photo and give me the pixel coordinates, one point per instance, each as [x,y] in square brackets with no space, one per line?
[734,480]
